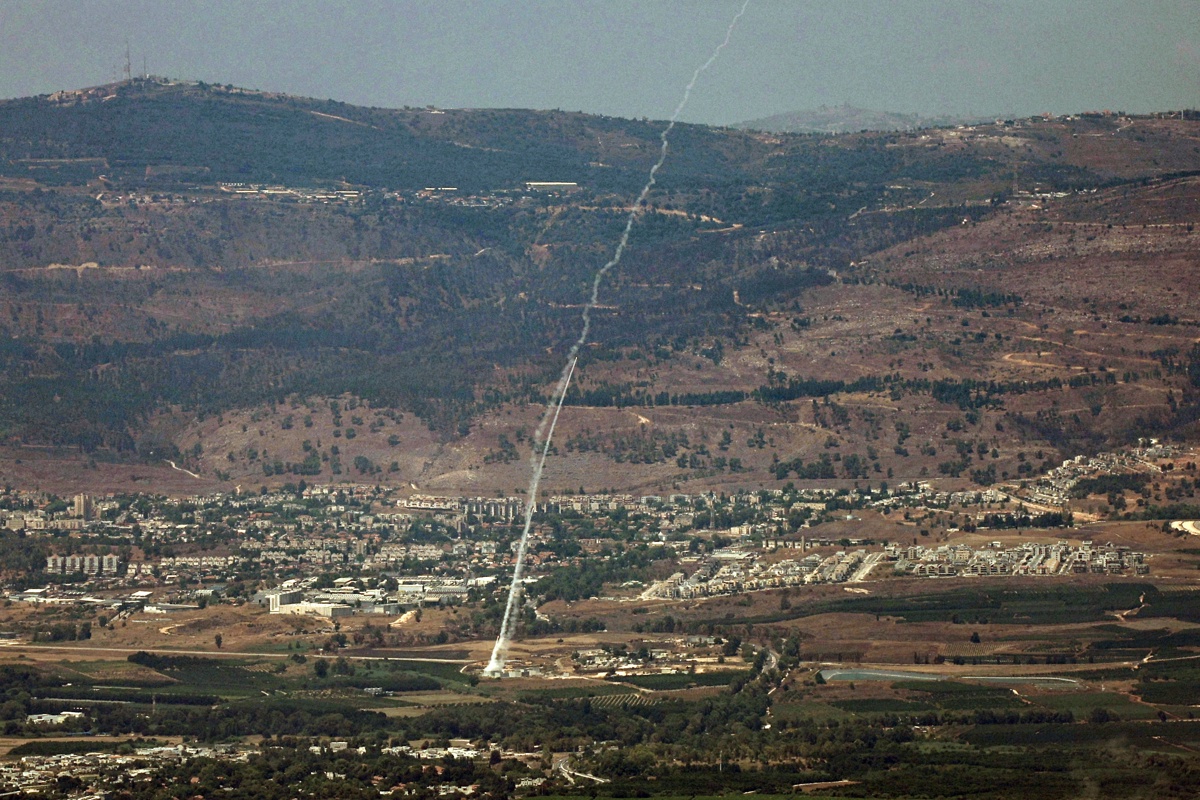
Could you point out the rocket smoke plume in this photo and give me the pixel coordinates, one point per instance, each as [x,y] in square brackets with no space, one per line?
[496,664]
[545,429]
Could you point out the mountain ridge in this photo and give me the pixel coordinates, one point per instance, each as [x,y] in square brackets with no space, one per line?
[215,276]
[850,119]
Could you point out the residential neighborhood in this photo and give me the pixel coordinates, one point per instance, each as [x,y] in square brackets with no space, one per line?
[336,550]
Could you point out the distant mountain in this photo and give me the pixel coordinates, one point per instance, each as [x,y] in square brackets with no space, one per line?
[847,119]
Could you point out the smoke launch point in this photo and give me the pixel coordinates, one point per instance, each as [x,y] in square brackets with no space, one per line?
[545,428]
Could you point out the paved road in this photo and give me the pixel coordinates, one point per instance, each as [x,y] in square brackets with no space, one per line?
[865,568]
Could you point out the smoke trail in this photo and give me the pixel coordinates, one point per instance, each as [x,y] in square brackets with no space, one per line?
[496,663]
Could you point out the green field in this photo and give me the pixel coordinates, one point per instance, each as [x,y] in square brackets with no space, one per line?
[992,604]
[882,705]
[1081,704]
[955,696]
[682,680]
[1159,736]
[592,689]
[808,710]
[439,670]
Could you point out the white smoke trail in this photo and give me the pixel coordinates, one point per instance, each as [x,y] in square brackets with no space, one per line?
[495,665]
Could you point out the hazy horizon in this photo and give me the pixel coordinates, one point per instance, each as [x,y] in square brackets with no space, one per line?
[629,59]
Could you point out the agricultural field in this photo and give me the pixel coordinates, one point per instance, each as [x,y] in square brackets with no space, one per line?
[1011,687]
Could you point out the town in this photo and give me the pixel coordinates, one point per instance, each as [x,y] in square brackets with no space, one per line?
[337,550]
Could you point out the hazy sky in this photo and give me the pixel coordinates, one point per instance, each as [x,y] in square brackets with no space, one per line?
[630,58]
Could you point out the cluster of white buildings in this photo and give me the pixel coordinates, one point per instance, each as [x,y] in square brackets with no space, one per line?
[1055,486]
[736,569]
[297,193]
[461,749]
[1060,558]
[74,518]
[61,718]
[733,571]
[394,553]
[34,774]
[510,508]
[86,564]
[922,493]
[346,596]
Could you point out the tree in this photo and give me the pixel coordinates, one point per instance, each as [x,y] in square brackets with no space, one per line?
[321,668]
[218,640]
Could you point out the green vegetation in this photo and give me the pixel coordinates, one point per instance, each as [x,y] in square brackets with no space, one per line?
[992,605]
[425,295]
[1083,704]
[683,680]
[445,673]
[591,690]
[1108,484]
[756,735]
[882,706]
[56,748]
[953,696]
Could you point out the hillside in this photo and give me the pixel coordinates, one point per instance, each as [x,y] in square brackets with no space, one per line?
[264,288]
[848,119]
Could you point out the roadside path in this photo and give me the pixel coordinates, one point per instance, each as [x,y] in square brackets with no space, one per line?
[181,469]
[230,653]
